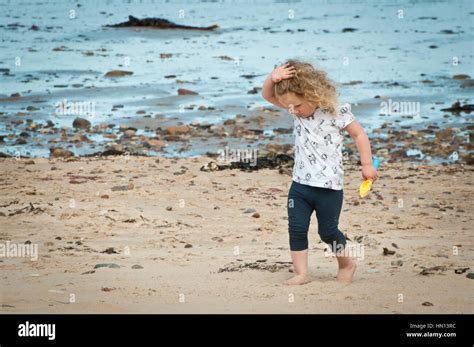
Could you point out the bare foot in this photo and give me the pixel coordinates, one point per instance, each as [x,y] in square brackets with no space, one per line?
[298,279]
[346,273]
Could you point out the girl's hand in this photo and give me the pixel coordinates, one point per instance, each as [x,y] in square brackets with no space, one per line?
[369,172]
[283,72]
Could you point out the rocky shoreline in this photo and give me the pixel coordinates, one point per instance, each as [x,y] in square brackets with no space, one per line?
[391,142]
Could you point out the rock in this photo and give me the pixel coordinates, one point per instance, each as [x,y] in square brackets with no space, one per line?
[457,108]
[211,166]
[136,267]
[109,265]
[169,208]
[470,275]
[461,77]
[445,134]
[117,147]
[129,133]
[81,123]
[467,83]
[182,91]
[157,23]
[110,250]
[348,30]
[188,245]
[398,154]
[433,270]
[274,147]
[387,251]
[153,143]
[250,210]
[254,90]
[79,138]
[256,215]
[15,95]
[122,188]
[118,73]
[107,289]
[178,130]
[461,270]
[88,272]
[427,303]
[229,122]
[60,153]
[283,130]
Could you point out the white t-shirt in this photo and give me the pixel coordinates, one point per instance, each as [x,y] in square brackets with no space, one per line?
[318,148]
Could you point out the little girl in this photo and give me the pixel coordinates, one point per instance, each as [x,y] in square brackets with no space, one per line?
[317,184]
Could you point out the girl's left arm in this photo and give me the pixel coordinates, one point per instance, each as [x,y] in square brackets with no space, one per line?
[363,146]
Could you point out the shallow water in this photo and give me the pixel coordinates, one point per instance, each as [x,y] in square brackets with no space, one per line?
[254,35]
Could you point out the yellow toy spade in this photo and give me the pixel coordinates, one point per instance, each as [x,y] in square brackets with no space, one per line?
[365,187]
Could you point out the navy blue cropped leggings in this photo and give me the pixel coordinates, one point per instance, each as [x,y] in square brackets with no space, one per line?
[302,201]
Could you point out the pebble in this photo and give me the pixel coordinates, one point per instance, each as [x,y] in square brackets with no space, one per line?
[109,265]
[118,73]
[81,123]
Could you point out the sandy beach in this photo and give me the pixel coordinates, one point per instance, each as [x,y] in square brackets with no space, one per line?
[132,234]
[113,198]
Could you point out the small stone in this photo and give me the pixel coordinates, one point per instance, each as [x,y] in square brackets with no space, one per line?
[122,188]
[470,275]
[387,251]
[81,123]
[427,303]
[250,210]
[110,250]
[129,133]
[188,245]
[169,208]
[136,267]
[211,166]
[60,153]
[256,215]
[182,91]
[109,265]
[118,73]
[178,130]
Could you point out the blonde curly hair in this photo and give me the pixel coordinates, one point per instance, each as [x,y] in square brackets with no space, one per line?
[311,84]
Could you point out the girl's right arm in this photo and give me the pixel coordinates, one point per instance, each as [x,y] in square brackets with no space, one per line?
[280,73]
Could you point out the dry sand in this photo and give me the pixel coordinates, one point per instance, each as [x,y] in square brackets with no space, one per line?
[182,225]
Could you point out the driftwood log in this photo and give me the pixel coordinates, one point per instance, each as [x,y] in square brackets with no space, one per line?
[157,23]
